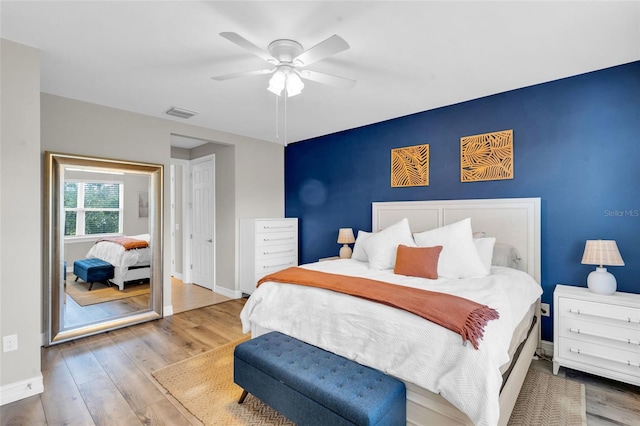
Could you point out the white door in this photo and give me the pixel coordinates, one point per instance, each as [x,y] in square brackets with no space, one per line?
[203,220]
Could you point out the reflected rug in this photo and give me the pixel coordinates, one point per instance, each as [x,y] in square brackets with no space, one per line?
[101,292]
[204,385]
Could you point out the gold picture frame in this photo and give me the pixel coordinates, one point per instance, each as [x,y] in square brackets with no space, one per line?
[488,156]
[410,166]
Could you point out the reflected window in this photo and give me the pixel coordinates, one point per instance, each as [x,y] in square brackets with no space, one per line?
[93,208]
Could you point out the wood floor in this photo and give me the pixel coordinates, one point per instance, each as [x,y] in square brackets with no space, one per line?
[106,379]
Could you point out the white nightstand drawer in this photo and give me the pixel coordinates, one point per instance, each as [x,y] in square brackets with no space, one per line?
[601,334]
[272,251]
[621,316]
[626,362]
[275,238]
[275,225]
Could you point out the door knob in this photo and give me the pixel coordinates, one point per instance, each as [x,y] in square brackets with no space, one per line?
[210,241]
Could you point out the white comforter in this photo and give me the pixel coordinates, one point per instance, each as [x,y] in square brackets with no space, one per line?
[399,343]
[120,258]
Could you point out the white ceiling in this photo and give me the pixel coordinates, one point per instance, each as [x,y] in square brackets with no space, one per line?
[145,56]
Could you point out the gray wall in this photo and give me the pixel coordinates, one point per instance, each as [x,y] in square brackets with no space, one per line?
[20,219]
[34,122]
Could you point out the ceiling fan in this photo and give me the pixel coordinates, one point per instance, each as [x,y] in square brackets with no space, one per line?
[289,60]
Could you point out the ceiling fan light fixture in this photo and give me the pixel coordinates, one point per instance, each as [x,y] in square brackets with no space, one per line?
[277,82]
[294,84]
[285,78]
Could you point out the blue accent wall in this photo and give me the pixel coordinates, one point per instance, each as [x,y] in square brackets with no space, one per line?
[576,146]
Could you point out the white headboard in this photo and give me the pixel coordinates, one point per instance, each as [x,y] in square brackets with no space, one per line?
[514,221]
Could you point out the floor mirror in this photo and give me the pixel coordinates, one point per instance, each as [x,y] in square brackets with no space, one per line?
[103,244]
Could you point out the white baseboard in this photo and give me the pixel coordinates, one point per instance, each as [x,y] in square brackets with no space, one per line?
[22,389]
[232,294]
[167,311]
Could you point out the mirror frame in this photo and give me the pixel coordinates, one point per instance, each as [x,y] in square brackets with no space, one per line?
[53,262]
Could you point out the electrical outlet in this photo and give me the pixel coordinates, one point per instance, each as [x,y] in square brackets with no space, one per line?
[545,310]
[10,343]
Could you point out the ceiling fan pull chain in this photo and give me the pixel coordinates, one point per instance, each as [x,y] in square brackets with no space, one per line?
[277,120]
[285,117]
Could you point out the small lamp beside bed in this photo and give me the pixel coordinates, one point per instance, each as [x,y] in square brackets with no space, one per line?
[346,237]
[602,253]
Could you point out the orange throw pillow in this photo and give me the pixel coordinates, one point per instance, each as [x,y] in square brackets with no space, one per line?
[417,261]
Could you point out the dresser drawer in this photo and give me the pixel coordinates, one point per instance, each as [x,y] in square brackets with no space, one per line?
[273,251]
[622,361]
[619,316]
[266,266]
[275,226]
[264,239]
[602,334]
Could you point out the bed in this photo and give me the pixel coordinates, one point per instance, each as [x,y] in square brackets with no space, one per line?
[132,263]
[450,383]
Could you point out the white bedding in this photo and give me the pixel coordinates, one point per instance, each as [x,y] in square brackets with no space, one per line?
[120,258]
[399,343]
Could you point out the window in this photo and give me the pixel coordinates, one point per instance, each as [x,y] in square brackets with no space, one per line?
[92,208]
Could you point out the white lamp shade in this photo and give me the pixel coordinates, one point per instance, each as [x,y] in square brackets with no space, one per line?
[346,237]
[601,253]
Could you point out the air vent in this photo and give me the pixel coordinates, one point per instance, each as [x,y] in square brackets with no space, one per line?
[179,112]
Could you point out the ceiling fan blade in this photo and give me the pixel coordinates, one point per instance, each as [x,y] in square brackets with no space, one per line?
[324,49]
[246,44]
[331,80]
[241,74]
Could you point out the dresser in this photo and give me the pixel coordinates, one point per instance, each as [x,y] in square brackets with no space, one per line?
[266,245]
[597,334]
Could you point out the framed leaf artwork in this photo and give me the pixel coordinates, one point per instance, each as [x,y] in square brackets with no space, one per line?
[410,166]
[486,157]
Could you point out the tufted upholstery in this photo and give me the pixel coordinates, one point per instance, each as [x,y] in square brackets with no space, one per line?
[314,387]
[92,270]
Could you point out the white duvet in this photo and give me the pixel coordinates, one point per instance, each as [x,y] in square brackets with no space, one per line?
[399,343]
[120,258]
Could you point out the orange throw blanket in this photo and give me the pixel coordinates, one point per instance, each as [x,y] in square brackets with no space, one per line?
[458,314]
[126,242]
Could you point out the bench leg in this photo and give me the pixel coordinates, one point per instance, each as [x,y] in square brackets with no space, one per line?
[243,396]
[91,286]
[76,280]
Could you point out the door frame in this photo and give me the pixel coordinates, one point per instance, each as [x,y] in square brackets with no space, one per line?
[186,219]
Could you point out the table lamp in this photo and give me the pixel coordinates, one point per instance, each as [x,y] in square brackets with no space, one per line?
[601,253]
[345,236]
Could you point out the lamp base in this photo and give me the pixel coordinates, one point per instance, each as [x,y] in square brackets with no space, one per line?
[601,282]
[345,252]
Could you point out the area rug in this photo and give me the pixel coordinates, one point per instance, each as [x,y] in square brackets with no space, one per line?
[101,293]
[549,400]
[204,385]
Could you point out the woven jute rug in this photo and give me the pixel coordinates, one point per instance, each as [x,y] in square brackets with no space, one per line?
[204,385]
[101,292]
[549,400]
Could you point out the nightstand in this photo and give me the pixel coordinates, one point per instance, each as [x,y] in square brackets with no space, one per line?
[597,334]
[323,259]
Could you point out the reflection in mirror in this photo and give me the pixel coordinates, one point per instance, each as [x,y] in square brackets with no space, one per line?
[104,244]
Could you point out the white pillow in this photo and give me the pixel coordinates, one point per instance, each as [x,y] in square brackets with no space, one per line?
[459,257]
[382,246]
[506,255]
[485,250]
[358,247]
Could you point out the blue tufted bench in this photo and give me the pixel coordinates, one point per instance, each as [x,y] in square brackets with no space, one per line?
[92,270]
[311,386]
